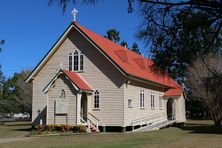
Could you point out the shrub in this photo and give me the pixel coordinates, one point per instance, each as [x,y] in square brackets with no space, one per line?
[40,128]
[67,128]
[60,128]
[50,127]
[81,128]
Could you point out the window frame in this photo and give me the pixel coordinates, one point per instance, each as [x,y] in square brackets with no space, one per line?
[81,59]
[160,101]
[75,61]
[142,98]
[96,94]
[152,100]
[130,103]
[70,62]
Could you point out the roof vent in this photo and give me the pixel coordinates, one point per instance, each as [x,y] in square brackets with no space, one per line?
[140,62]
[122,55]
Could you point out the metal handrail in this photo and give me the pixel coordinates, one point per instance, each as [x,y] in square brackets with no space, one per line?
[93,116]
[158,124]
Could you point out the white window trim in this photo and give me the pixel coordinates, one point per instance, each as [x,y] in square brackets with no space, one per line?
[142,99]
[152,100]
[74,54]
[94,100]
[79,53]
[130,105]
[161,103]
[71,61]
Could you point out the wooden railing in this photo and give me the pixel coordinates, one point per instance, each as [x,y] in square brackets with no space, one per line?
[91,121]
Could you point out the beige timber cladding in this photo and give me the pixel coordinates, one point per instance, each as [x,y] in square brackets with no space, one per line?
[70,95]
[103,76]
[132,91]
[99,73]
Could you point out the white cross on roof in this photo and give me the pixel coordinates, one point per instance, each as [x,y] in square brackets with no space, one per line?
[74,13]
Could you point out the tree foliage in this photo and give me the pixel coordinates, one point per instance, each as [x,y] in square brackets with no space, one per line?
[176,29]
[17,95]
[63,3]
[135,48]
[114,35]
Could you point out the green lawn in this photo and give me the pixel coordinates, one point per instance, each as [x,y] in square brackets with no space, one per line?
[199,134]
[15,129]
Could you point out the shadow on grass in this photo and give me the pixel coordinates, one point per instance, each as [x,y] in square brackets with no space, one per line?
[202,128]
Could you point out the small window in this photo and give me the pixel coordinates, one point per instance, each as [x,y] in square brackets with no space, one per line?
[130,105]
[63,94]
[152,100]
[142,98]
[81,61]
[160,101]
[70,61]
[96,99]
[76,61]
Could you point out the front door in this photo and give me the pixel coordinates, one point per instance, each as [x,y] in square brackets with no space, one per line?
[170,109]
[84,106]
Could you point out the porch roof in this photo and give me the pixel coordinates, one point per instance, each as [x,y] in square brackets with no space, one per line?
[77,80]
[173,92]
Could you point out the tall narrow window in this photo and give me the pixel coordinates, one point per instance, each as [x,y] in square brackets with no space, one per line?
[70,61]
[81,61]
[76,61]
[96,99]
[142,98]
[152,100]
[160,101]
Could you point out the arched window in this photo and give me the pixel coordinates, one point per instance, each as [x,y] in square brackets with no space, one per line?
[76,61]
[63,94]
[81,61]
[96,99]
[70,61]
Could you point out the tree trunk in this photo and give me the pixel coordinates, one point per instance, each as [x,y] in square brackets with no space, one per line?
[217,118]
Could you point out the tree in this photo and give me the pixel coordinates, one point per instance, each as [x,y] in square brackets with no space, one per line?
[18,93]
[206,86]
[124,43]
[135,48]
[113,35]
[163,22]
[2,81]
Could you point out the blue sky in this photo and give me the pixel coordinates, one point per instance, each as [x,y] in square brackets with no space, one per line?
[31,27]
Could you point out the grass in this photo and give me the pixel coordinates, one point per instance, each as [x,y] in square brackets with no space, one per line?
[15,129]
[194,134]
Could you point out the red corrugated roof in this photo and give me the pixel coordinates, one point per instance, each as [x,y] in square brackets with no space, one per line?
[77,80]
[129,61]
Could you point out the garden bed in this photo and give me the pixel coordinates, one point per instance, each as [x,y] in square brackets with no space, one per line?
[56,130]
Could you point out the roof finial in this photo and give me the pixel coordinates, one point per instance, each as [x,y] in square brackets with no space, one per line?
[74,13]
